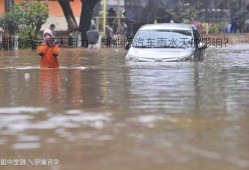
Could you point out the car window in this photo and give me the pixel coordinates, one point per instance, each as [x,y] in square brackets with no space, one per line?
[163,39]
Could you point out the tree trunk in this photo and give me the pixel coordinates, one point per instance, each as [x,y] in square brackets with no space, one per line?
[85,18]
[34,40]
[68,13]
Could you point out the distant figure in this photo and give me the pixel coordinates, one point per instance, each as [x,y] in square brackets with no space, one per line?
[52,28]
[48,51]
[109,35]
[228,27]
[111,15]
[122,29]
[234,26]
[112,18]
[92,35]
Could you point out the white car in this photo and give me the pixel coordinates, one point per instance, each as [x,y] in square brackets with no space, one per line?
[166,42]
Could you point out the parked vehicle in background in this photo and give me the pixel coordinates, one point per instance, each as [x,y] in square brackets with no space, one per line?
[167,42]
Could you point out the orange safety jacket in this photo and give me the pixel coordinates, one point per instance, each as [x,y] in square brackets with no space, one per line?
[48,55]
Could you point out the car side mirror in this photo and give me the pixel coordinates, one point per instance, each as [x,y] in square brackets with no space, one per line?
[202,45]
[127,46]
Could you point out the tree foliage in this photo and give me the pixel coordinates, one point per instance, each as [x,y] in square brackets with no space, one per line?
[36,14]
[13,20]
[185,11]
[25,17]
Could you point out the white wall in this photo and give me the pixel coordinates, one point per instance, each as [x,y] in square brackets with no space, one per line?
[115,2]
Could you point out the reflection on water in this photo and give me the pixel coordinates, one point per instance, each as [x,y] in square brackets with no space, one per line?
[97,112]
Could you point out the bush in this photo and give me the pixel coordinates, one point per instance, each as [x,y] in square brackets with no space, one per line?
[25,41]
[216,28]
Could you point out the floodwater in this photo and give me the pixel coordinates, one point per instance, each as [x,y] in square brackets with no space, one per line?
[99,113]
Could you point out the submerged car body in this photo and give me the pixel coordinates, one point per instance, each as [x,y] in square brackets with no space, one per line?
[166,42]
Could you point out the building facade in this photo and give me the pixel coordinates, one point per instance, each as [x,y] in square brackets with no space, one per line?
[56,15]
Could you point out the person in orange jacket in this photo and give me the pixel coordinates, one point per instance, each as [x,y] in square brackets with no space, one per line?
[48,51]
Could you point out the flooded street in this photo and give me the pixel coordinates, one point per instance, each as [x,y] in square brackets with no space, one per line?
[98,112]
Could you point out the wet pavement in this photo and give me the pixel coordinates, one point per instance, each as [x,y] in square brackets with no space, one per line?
[99,113]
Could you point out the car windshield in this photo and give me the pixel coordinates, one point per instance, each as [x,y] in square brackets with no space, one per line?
[163,39]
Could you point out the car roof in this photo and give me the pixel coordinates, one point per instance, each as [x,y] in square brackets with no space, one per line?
[166,26]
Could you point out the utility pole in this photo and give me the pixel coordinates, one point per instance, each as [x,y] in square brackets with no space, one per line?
[104,17]
[118,13]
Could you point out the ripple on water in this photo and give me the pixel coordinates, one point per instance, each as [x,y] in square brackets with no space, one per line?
[27,138]
[16,119]
[39,68]
[2,141]
[31,145]
[19,119]
[151,120]
[17,110]
[78,118]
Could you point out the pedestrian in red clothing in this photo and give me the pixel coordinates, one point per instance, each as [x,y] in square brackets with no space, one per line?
[48,51]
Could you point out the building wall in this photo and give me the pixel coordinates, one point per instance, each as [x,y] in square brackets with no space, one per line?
[56,15]
[54,8]
[1,7]
[114,4]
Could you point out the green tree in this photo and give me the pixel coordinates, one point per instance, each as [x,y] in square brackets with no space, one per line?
[36,14]
[27,19]
[13,20]
[186,11]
